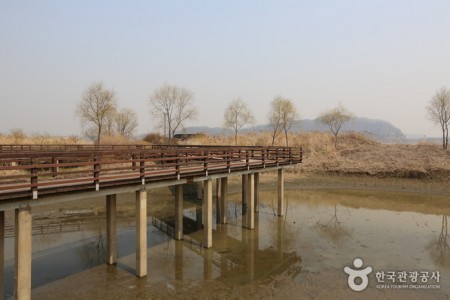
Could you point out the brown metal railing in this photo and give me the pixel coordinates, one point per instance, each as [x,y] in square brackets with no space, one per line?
[30,173]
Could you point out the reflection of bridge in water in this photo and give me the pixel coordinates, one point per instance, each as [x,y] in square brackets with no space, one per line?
[237,261]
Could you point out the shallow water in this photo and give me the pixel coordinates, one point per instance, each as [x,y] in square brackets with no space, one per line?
[322,232]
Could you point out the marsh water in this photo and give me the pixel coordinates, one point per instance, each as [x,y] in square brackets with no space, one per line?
[302,254]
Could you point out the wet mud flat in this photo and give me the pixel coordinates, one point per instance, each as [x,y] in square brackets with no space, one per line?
[301,255]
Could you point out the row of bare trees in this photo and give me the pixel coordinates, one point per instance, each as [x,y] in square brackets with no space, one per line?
[282,117]
[171,106]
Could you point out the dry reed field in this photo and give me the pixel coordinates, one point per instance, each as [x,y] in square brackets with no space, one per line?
[357,154]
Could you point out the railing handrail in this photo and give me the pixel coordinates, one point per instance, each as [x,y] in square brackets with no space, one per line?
[29,173]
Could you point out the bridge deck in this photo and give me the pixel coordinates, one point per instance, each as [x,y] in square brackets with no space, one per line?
[29,171]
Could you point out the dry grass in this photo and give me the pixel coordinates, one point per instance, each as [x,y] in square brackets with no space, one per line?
[39,139]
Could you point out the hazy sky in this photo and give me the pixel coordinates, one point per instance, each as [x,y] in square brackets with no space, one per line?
[381,59]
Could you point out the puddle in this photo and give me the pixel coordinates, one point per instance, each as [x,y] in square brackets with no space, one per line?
[302,254]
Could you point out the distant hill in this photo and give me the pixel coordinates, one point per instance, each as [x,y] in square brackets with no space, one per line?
[377,129]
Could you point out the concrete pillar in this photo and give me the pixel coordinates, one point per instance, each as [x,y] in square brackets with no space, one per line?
[256,192]
[251,253]
[179,260]
[207,264]
[207,211]
[280,238]
[217,198]
[244,193]
[199,215]
[22,277]
[250,216]
[179,212]
[199,190]
[141,233]
[111,229]
[223,203]
[280,192]
[218,187]
[2,249]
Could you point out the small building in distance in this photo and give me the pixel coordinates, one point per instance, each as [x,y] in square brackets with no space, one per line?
[188,136]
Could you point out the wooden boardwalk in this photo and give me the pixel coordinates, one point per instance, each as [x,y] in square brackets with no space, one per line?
[44,170]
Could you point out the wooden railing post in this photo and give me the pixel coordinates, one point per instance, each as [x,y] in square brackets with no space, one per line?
[34,179]
[177,167]
[247,161]
[55,169]
[205,164]
[96,173]
[142,168]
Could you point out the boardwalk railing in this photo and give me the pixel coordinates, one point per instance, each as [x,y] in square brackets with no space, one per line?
[42,170]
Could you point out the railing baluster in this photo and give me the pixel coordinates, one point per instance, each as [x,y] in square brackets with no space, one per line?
[96,173]
[142,168]
[34,179]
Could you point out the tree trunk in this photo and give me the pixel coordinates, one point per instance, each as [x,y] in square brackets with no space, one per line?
[443,139]
[446,138]
[99,133]
[335,141]
[286,137]
[235,137]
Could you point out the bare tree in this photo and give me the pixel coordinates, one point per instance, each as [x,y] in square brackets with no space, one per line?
[439,112]
[125,122]
[96,105]
[174,105]
[236,116]
[334,119]
[282,117]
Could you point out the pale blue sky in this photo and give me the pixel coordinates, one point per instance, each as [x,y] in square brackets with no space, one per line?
[381,59]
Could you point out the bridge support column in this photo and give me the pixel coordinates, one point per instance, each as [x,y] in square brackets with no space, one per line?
[2,248]
[208,264]
[179,260]
[256,192]
[141,233]
[223,203]
[244,193]
[250,216]
[111,229]
[207,210]
[22,278]
[179,212]
[280,192]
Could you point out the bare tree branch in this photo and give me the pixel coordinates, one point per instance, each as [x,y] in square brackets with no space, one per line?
[125,122]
